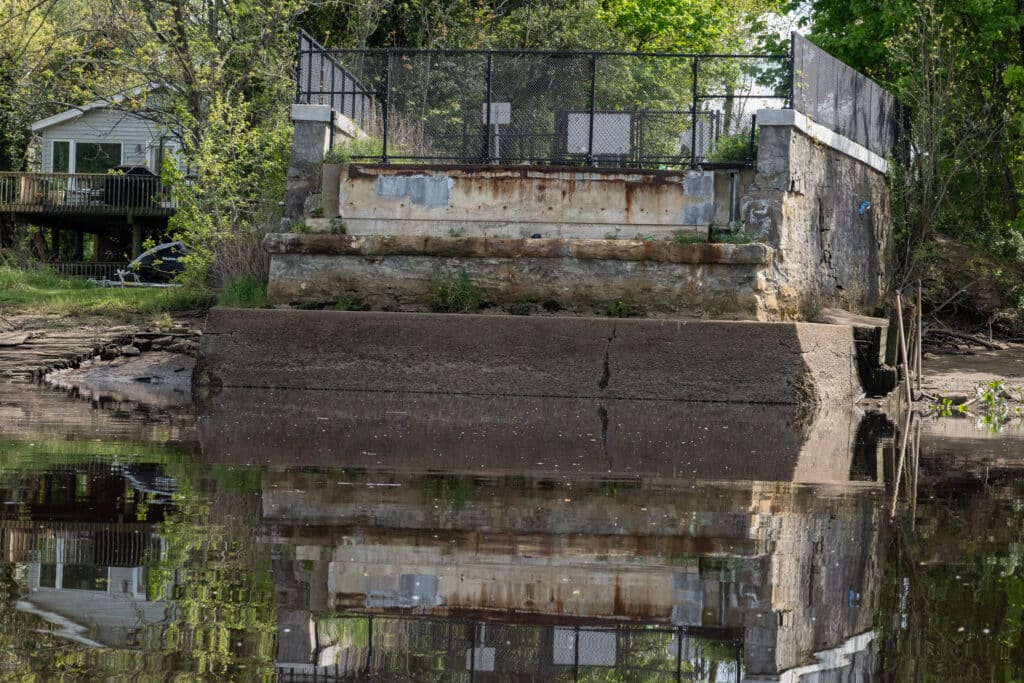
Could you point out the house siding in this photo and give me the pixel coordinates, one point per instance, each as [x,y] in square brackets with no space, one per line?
[137,136]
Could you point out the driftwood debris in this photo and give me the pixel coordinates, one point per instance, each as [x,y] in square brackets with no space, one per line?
[965,337]
[14,338]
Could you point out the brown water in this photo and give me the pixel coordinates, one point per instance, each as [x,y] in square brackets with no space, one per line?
[308,536]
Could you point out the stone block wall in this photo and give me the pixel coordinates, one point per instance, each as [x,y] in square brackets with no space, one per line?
[583,238]
[399,272]
[822,202]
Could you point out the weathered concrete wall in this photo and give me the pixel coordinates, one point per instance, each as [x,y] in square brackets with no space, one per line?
[794,363]
[394,272]
[828,215]
[315,126]
[520,201]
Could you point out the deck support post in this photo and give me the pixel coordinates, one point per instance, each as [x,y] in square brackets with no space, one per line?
[136,240]
[79,246]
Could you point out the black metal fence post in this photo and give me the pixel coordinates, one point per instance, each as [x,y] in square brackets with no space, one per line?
[693,122]
[593,106]
[753,132]
[298,68]
[386,102]
[792,71]
[490,98]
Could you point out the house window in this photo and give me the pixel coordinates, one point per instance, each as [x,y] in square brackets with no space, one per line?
[97,157]
[61,156]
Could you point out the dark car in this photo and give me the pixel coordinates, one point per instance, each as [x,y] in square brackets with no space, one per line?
[159,264]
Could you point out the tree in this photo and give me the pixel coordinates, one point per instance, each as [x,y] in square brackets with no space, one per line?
[959,68]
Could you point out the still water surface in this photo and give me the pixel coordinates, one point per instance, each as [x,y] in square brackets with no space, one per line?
[302,536]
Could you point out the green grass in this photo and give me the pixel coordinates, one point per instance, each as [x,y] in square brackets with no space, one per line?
[42,291]
[245,292]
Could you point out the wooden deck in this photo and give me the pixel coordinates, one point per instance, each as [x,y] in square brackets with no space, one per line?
[98,194]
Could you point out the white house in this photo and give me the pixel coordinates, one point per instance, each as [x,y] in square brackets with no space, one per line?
[99,136]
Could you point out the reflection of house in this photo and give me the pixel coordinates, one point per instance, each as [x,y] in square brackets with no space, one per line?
[82,560]
[99,176]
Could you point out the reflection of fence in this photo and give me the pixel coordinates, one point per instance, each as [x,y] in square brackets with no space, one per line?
[516,106]
[83,543]
[838,97]
[84,193]
[354,647]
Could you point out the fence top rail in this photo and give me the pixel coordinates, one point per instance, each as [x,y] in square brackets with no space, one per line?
[47,174]
[540,53]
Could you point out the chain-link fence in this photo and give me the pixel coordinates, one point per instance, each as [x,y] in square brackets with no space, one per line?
[838,97]
[599,108]
[617,109]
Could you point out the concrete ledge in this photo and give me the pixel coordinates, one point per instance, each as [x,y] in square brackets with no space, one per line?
[508,247]
[500,228]
[780,363]
[826,136]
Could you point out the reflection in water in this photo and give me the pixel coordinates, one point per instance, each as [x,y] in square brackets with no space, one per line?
[422,538]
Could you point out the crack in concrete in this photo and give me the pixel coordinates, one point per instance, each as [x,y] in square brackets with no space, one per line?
[606,375]
[602,412]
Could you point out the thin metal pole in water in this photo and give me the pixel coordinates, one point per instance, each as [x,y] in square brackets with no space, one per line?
[593,107]
[490,98]
[387,105]
[902,461]
[693,116]
[920,337]
[903,349]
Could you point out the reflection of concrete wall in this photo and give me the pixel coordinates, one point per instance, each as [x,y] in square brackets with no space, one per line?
[825,576]
[792,571]
[493,435]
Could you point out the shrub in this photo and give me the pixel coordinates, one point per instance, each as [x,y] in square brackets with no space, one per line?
[454,293]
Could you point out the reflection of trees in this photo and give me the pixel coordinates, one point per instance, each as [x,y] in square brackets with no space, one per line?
[954,592]
[221,593]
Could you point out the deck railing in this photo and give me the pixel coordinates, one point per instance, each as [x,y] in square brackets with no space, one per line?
[85,193]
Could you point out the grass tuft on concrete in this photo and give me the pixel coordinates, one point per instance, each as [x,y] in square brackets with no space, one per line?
[244,292]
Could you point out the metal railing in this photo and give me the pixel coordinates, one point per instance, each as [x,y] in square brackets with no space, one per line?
[96,270]
[84,193]
[619,109]
[320,79]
